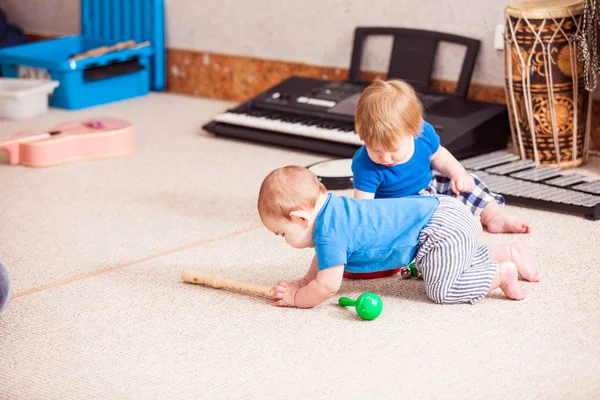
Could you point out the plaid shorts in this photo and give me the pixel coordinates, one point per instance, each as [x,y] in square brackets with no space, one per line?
[480,197]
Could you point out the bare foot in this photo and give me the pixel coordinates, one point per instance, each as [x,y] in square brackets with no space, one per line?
[520,256]
[498,220]
[507,279]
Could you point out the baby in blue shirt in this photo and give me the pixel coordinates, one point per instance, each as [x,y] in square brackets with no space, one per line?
[400,151]
[360,236]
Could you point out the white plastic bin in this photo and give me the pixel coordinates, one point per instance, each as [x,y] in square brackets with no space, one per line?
[24,98]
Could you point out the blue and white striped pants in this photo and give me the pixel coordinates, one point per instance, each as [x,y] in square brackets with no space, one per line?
[455,268]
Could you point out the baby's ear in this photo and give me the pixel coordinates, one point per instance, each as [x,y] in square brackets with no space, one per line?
[300,217]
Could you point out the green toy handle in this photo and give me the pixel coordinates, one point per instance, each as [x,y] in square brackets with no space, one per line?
[346,302]
[368,305]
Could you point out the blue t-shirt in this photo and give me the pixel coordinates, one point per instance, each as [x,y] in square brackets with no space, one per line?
[370,235]
[400,180]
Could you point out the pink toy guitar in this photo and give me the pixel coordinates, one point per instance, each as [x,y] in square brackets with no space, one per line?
[71,141]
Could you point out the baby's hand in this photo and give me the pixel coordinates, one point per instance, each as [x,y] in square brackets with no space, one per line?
[462,183]
[285,292]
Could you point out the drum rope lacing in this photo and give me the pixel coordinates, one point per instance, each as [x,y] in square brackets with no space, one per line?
[587,40]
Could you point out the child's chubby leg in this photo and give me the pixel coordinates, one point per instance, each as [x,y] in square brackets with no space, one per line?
[518,254]
[507,280]
[498,220]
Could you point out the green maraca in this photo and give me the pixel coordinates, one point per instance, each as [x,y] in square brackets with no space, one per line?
[368,305]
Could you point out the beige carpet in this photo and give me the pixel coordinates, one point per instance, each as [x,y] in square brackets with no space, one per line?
[95,250]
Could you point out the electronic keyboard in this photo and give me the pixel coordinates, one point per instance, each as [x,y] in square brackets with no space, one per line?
[317,115]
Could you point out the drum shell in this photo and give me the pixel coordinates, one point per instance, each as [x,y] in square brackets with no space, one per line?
[548,105]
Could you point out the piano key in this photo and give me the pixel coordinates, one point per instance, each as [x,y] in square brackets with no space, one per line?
[542,192]
[580,200]
[575,197]
[559,195]
[525,190]
[539,191]
[515,188]
[494,182]
[493,161]
[567,180]
[482,177]
[592,202]
[502,180]
[590,187]
[467,162]
[522,189]
[538,174]
[512,167]
[480,174]
[552,194]
[501,184]
[242,119]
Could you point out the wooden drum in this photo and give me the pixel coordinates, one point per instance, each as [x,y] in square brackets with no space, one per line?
[548,105]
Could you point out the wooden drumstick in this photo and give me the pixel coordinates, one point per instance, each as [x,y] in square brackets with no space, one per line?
[219,282]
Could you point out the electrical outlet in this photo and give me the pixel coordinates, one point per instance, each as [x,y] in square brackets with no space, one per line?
[499,37]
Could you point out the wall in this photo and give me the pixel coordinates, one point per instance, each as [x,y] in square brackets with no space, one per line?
[49,16]
[309,31]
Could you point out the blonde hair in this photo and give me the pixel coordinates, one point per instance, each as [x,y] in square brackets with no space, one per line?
[287,189]
[386,111]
